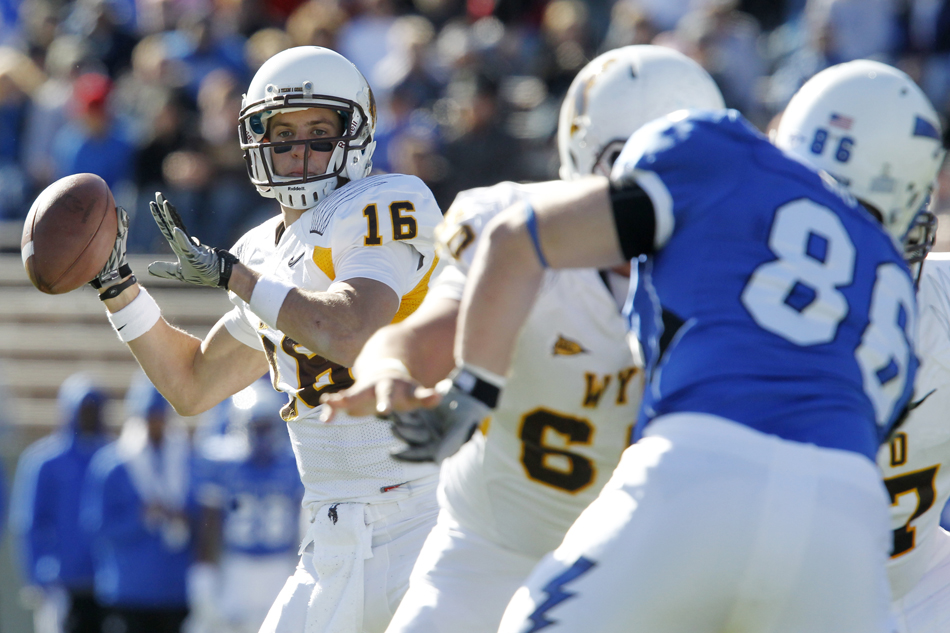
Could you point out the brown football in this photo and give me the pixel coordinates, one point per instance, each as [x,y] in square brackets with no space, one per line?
[69,233]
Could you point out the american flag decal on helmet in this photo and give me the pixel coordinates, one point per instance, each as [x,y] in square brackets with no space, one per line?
[840,121]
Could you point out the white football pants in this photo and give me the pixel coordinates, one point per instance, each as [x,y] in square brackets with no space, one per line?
[461,582]
[355,571]
[708,526]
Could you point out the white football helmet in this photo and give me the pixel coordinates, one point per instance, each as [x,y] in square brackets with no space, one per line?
[870,127]
[293,80]
[619,91]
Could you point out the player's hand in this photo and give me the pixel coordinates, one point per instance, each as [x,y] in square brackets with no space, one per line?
[379,395]
[116,267]
[433,434]
[197,264]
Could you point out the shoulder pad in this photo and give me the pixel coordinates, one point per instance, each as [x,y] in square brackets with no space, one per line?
[471,210]
[374,211]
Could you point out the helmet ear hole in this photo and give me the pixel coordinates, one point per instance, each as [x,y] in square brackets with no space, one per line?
[257,126]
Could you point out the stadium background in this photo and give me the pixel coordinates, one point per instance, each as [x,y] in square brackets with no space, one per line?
[146,93]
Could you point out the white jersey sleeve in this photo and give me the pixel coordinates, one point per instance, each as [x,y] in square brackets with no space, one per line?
[916,461]
[458,234]
[450,284]
[380,228]
[471,210]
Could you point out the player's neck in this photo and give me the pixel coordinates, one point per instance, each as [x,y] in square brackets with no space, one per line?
[290,215]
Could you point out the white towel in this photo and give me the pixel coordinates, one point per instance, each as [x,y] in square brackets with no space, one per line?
[159,474]
[341,542]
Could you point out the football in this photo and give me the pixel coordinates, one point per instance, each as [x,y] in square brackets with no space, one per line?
[69,233]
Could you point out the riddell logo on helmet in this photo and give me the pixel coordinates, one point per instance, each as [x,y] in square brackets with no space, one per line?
[296,189]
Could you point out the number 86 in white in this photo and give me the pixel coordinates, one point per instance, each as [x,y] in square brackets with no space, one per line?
[886,345]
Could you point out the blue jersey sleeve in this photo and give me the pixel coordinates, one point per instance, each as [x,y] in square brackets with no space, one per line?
[686,164]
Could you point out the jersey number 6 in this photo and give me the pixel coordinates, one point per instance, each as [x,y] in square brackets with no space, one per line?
[555,466]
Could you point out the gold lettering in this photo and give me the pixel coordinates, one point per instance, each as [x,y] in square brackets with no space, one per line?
[625,376]
[595,389]
[898,446]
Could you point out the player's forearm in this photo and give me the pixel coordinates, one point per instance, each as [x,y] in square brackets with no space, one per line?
[165,353]
[575,224]
[174,362]
[303,316]
[502,284]
[335,324]
[423,343]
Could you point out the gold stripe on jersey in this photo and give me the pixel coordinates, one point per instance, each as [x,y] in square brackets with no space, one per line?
[323,258]
[412,299]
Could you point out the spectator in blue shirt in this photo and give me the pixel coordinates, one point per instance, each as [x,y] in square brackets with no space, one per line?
[135,510]
[45,508]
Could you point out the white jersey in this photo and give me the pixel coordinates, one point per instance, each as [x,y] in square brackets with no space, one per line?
[926,607]
[380,228]
[566,412]
[916,462]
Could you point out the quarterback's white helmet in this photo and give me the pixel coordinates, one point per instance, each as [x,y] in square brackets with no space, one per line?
[619,91]
[296,79]
[870,127]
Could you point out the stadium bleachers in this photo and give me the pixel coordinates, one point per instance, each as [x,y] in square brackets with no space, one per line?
[45,338]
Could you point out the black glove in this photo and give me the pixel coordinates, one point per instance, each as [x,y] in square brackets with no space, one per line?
[116,267]
[437,433]
[197,263]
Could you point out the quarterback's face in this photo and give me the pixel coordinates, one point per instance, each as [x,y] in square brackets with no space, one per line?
[312,123]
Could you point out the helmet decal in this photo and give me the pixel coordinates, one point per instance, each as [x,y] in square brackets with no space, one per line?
[923,127]
[871,127]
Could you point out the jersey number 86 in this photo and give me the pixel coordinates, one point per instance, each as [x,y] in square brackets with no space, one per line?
[797,297]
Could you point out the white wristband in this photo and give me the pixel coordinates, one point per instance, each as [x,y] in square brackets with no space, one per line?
[137,318]
[268,295]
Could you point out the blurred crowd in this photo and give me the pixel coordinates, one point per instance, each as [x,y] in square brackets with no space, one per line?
[146,93]
[163,528]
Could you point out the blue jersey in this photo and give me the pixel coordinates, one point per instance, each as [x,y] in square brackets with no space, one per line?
[260,503]
[773,298]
